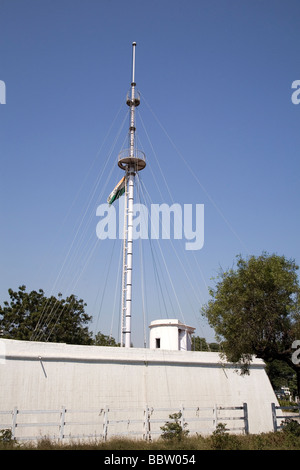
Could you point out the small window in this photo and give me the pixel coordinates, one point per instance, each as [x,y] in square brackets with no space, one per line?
[157,343]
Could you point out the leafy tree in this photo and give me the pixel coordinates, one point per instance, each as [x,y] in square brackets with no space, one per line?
[200,344]
[255,310]
[33,316]
[282,375]
[104,340]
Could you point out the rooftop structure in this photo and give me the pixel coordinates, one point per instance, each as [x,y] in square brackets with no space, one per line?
[170,334]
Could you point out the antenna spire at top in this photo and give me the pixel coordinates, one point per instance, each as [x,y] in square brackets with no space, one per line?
[133,64]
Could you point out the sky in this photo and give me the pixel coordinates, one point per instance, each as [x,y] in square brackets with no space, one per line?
[216,121]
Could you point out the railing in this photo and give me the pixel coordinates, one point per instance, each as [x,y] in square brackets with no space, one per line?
[193,416]
[108,422]
[138,154]
[275,417]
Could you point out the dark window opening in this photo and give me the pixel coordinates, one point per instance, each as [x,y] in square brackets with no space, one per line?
[157,343]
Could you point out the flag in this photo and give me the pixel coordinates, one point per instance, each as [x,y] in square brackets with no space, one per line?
[117,191]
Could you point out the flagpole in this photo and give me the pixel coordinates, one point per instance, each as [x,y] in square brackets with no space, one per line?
[127,332]
[131,161]
[123,303]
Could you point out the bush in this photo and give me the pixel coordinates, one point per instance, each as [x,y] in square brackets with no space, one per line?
[173,430]
[6,439]
[287,403]
[221,440]
[291,426]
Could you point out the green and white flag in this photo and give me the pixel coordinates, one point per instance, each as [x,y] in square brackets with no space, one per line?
[117,191]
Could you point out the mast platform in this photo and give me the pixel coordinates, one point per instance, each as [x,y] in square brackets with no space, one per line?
[137,160]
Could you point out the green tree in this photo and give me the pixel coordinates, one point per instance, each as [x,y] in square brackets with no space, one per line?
[254,310]
[33,316]
[104,340]
[214,347]
[282,375]
[200,344]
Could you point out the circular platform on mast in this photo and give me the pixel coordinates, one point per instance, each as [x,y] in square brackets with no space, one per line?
[137,160]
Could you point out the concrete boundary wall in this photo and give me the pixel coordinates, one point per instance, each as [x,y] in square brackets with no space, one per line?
[36,375]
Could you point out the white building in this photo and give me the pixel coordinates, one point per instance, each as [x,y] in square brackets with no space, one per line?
[170,334]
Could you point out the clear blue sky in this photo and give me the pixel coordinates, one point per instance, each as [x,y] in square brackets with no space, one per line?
[215,78]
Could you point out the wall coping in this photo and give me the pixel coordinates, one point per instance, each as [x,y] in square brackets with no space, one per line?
[31,350]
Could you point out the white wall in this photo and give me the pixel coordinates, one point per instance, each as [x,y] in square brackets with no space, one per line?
[168,337]
[48,375]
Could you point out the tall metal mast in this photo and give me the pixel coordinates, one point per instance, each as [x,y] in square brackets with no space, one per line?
[131,161]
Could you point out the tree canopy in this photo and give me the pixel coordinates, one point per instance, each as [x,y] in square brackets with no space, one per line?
[200,344]
[255,310]
[33,316]
[104,340]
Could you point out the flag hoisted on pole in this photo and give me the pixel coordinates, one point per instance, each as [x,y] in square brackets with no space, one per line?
[117,191]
